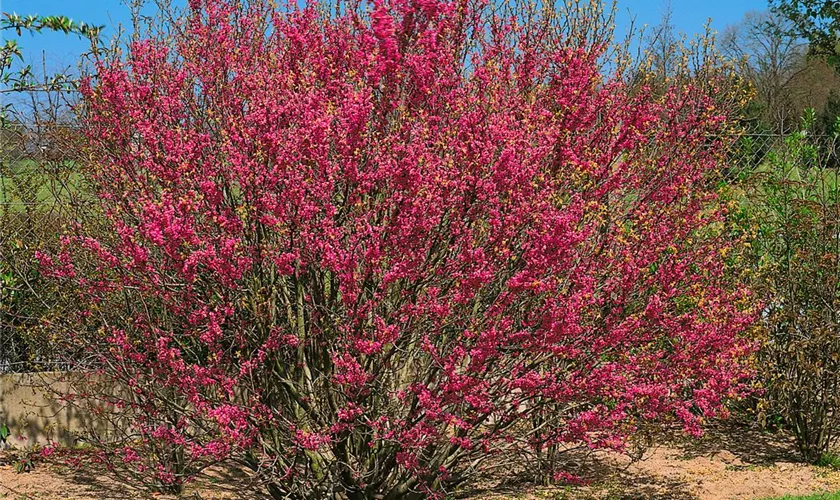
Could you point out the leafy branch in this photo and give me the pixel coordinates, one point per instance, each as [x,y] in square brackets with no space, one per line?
[24,79]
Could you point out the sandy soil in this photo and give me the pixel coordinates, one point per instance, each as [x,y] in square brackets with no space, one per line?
[48,482]
[728,463]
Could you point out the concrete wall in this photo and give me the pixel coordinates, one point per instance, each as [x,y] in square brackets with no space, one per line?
[32,406]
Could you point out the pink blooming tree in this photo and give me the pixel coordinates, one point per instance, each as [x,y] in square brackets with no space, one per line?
[371,251]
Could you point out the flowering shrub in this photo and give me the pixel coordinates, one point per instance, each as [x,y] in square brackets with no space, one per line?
[364,251]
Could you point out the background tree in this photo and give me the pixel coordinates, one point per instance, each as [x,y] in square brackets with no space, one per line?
[663,48]
[818,21]
[768,59]
[14,81]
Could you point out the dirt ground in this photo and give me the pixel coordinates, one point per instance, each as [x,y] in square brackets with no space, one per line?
[728,463]
[52,482]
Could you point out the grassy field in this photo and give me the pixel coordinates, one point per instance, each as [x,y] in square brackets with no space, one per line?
[818,496]
[23,184]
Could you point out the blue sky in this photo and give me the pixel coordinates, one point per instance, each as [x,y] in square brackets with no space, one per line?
[60,51]
[688,16]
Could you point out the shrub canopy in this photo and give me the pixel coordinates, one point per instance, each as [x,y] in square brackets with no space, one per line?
[365,251]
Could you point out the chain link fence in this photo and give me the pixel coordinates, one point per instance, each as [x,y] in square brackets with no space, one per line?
[36,183]
[751,153]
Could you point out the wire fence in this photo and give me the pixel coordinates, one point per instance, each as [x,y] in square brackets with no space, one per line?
[36,365]
[748,151]
[36,172]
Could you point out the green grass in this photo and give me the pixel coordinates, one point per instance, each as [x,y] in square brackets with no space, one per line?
[817,496]
[22,184]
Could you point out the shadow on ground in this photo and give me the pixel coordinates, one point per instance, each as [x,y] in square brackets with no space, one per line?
[731,461]
[750,444]
[226,482]
[675,467]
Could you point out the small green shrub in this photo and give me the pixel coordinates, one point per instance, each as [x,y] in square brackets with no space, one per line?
[796,204]
[4,433]
[829,460]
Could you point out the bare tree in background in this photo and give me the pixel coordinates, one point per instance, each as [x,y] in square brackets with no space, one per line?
[769,59]
[663,45]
